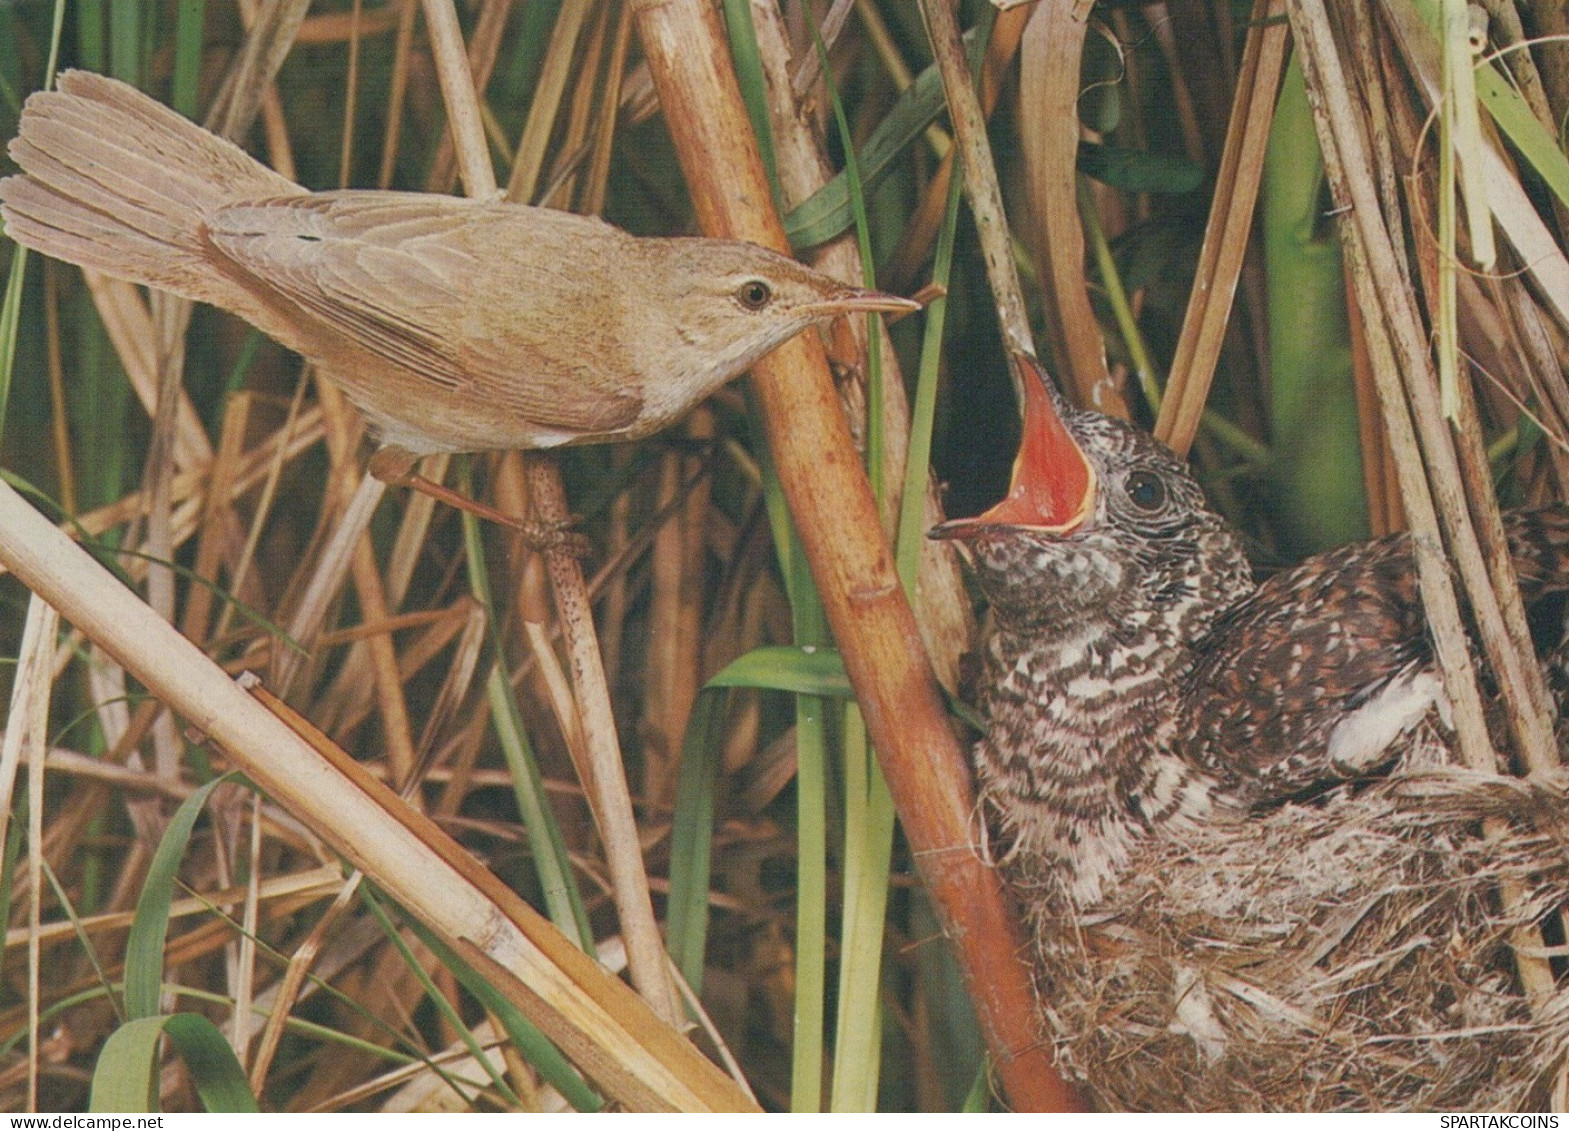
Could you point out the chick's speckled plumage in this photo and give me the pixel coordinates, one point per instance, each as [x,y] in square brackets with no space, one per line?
[1232,811]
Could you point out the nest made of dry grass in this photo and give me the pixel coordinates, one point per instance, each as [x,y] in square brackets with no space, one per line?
[1345,955]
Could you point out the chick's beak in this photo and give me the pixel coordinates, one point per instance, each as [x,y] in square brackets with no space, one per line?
[1053,486]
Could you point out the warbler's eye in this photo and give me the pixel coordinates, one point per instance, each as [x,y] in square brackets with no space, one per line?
[1146,490]
[754,294]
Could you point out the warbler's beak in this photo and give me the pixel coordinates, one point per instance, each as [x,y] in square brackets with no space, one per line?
[1053,486]
[853,300]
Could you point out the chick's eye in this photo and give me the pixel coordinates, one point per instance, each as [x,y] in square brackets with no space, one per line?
[754,294]
[1146,490]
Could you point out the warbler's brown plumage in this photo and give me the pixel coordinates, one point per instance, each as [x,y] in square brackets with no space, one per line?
[456,325]
[1256,876]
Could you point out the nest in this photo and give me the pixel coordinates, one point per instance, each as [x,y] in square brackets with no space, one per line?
[1352,954]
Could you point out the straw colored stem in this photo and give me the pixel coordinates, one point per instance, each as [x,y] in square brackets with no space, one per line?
[1479,548]
[1369,256]
[675,647]
[130,328]
[328,577]
[548,94]
[395,727]
[457,91]
[483,47]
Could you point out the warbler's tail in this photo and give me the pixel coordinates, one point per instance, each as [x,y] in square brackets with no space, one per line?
[119,183]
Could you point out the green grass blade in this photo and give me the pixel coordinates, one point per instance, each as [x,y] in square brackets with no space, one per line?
[58,1008]
[563,899]
[125,41]
[1116,296]
[954,1031]
[99,403]
[13,852]
[11,304]
[979,1098]
[82,937]
[215,1072]
[868,852]
[1317,469]
[809,626]
[811,912]
[923,407]
[875,442]
[442,1006]
[869,813]
[829,211]
[10,325]
[749,73]
[92,44]
[1138,170]
[517,80]
[11,67]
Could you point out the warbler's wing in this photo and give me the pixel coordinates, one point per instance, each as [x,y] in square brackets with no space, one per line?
[466,296]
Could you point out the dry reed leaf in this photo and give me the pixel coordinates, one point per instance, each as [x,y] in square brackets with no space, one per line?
[1049,99]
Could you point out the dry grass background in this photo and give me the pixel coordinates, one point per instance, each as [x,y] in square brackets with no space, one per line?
[432,653]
